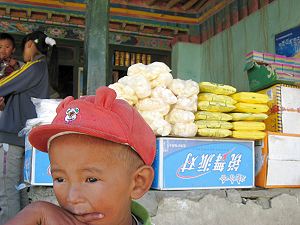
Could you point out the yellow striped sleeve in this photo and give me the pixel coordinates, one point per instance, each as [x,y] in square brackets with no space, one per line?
[16,73]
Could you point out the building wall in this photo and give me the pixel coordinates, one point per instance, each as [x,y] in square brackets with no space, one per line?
[221,58]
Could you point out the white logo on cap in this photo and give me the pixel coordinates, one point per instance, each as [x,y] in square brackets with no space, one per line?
[71,114]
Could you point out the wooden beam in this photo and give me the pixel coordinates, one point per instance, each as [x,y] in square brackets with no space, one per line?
[123,25]
[68,17]
[171,3]
[141,28]
[151,2]
[200,4]
[49,15]
[28,12]
[214,10]
[189,4]
[7,11]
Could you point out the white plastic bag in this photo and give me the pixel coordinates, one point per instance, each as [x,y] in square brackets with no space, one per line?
[139,84]
[45,107]
[124,92]
[184,129]
[185,88]
[187,103]
[165,94]
[153,104]
[157,123]
[180,116]
[141,69]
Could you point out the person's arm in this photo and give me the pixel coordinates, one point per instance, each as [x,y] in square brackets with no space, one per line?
[43,213]
[25,78]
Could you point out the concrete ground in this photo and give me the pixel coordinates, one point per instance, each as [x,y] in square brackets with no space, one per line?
[215,207]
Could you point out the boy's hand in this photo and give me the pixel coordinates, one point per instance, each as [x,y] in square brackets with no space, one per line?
[44,213]
[2,104]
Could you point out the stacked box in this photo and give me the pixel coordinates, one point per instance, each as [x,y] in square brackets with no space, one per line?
[286,68]
[277,161]
[201,163]
[296,61]
[36,166]
[280,59]
[269,58]
[289,61]
[277,66]
[296,70]
[255,56]
[284,110]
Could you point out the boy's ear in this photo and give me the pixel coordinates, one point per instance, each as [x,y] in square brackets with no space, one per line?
[29,43]
[142,180]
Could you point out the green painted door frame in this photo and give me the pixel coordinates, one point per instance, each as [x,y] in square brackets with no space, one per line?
[96,45]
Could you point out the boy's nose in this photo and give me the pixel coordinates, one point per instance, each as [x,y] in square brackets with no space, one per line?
[74,195]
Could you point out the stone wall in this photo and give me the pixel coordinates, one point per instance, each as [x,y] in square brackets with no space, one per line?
[203,207]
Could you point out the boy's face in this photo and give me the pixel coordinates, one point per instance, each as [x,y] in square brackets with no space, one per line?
[88,180]
[6,49]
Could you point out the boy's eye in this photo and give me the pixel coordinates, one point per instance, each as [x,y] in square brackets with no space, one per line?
[91,179]
[59,179]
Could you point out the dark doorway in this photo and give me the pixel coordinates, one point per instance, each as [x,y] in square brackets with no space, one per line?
[65,81]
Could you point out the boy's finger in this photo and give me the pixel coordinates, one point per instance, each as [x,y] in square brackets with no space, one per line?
[89,217]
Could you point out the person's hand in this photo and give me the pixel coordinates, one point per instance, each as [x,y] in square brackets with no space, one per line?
[2,104]
[44,213]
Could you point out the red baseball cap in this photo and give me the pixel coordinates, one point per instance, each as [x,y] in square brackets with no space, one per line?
[101,116]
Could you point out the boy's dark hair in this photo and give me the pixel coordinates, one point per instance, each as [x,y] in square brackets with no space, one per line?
[6,36]
[39,37]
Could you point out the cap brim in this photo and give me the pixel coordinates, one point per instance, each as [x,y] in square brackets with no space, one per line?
[39,136]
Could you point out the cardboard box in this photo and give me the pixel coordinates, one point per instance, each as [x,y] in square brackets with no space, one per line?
[262,76]
[284,113]
[36,166]
[278,161]
[201,163]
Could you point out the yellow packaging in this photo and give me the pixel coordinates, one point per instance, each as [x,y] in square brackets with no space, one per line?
[246,125]
[215,106]
[248,134]
[219,89]
[213,124]
[250,97]
[219,133]
[248,116]
[212,116]
[251,108]
[216,98]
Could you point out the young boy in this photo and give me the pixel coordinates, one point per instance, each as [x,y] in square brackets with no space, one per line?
[7,48]
[100,151]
